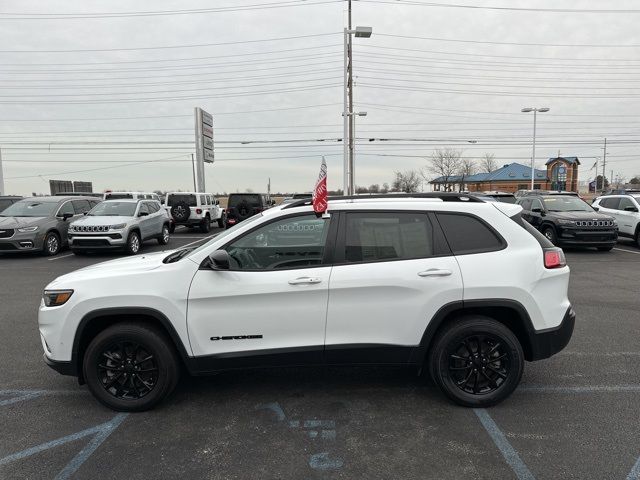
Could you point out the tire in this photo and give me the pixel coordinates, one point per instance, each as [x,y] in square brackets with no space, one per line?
[124,380]
[51,245]
[605,249]
[637,238]
[221,221]
[205,225]
[550,233]
[134,244]
[180,212]
[163,239]
[456,368]
[172,227]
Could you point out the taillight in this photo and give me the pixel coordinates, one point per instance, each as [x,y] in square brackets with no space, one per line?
[198,211]
[554,258]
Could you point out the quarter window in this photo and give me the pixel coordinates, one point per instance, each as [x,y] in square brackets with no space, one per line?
[293,242]
[371,237]
[467,234]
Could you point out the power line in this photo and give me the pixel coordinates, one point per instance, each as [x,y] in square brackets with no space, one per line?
[166,47]
[521,44]
[72,16]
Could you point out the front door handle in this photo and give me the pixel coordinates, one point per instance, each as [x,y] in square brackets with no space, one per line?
[435,272]
[305,281]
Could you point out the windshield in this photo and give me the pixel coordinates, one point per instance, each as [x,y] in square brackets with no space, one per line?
[229,231]
[4,204]
[174,199]
[252,200]
[30,208]
[114,209]
[566,203]
[117,196]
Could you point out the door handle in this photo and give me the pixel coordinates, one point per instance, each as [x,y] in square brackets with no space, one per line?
[305,281]
[435,272]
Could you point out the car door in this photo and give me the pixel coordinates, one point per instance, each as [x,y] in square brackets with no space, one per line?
[145,220]
[627,216]
[392,273]
[63,225]
[537,210]
[525,203]
[271,305]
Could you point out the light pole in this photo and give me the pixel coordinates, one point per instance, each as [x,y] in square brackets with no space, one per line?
[533,154]
[362,32]
[352,151]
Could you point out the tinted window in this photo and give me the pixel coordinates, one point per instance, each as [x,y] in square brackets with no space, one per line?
[81,206]
[251,200]
[536,204]
[467,234]
[174,199]
[67,208]
[624,203]
[372,237]
[288,243]
[93,203]
[116,196]
[4,203]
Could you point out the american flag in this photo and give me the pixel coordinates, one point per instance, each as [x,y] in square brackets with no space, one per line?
[320,191]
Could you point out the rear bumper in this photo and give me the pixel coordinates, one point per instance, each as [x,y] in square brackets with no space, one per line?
[64,368]
[546,343]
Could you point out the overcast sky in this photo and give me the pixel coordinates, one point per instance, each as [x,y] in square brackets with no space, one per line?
[430,76]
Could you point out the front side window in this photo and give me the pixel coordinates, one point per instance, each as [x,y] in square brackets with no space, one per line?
[526,204]
[371,237]
[293,242]
[144,208]
[66,208]
[467,234]
[81,206]
[536,204]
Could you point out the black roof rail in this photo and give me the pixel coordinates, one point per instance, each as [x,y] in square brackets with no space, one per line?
[444,196]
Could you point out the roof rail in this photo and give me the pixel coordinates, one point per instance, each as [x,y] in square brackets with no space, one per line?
[444,196]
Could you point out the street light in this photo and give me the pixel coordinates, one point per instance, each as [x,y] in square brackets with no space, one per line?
[359,32]
[533,154]
[352,154]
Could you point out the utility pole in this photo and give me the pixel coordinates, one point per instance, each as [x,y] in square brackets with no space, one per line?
[350,102]
[193,169]
[604,165]
[1,176]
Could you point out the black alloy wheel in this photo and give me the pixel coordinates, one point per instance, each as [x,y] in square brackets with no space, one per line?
[476,361]
[550,233]
[130,366]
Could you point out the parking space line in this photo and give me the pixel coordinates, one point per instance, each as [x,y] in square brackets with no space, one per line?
[203,238]
[59,257]
[634,474]
[633,388]
[508,452]
[628,251]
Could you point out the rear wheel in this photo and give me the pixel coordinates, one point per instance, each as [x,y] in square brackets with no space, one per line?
[163,239]
[130,367]
[172,227]
[550,233]
[133,243]
[51,244]
[476,361]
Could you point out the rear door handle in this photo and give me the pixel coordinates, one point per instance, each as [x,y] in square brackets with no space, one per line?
[435,272]
[305,281]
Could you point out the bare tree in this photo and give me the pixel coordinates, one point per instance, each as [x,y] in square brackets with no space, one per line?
[407,181]
[385,188]
[488,163]
[467,168]
[445,163]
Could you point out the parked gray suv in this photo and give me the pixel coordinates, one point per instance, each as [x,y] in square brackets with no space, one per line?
[120,224]
[39,224]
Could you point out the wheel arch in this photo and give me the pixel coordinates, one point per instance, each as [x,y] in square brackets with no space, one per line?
[98,320]
[508,312]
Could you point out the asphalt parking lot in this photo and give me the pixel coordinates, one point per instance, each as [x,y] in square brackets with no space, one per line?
[574,415]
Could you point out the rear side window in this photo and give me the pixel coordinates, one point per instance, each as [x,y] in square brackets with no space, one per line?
[610,203]
[467,234]
[624,203]
[190,200]
[153,207]
[372,237]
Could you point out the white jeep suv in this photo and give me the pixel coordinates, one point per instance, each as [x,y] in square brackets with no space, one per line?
[444,283]
[625,209]
[194,209]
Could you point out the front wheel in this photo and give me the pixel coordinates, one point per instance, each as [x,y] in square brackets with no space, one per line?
[163,239]
[51,244]
[550,233]
[476,361]
[133,243]
[130,367]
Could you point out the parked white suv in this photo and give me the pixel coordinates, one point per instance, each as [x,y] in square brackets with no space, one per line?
[625,209]
[194,209]
[448,282]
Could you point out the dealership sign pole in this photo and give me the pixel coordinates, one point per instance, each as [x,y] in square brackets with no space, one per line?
[204,145]
[1,176]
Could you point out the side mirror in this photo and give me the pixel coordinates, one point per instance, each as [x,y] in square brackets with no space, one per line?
[595,208]
[143,214]
[66,216]
[219,260]
[536,210]
[630,208]
[84,213]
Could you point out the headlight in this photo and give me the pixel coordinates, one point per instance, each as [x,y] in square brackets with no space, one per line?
[566,222]
[55,298]
[27,229]
[120,226]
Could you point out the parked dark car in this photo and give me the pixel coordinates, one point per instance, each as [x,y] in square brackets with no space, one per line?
[567,220]
[526,193]
[241,206]
[40,224]
[494,196]
[7,200]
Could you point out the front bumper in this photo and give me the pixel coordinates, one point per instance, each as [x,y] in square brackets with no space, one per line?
[22,242]
[64,368]
[548,342]
[96,242]
[587,238]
